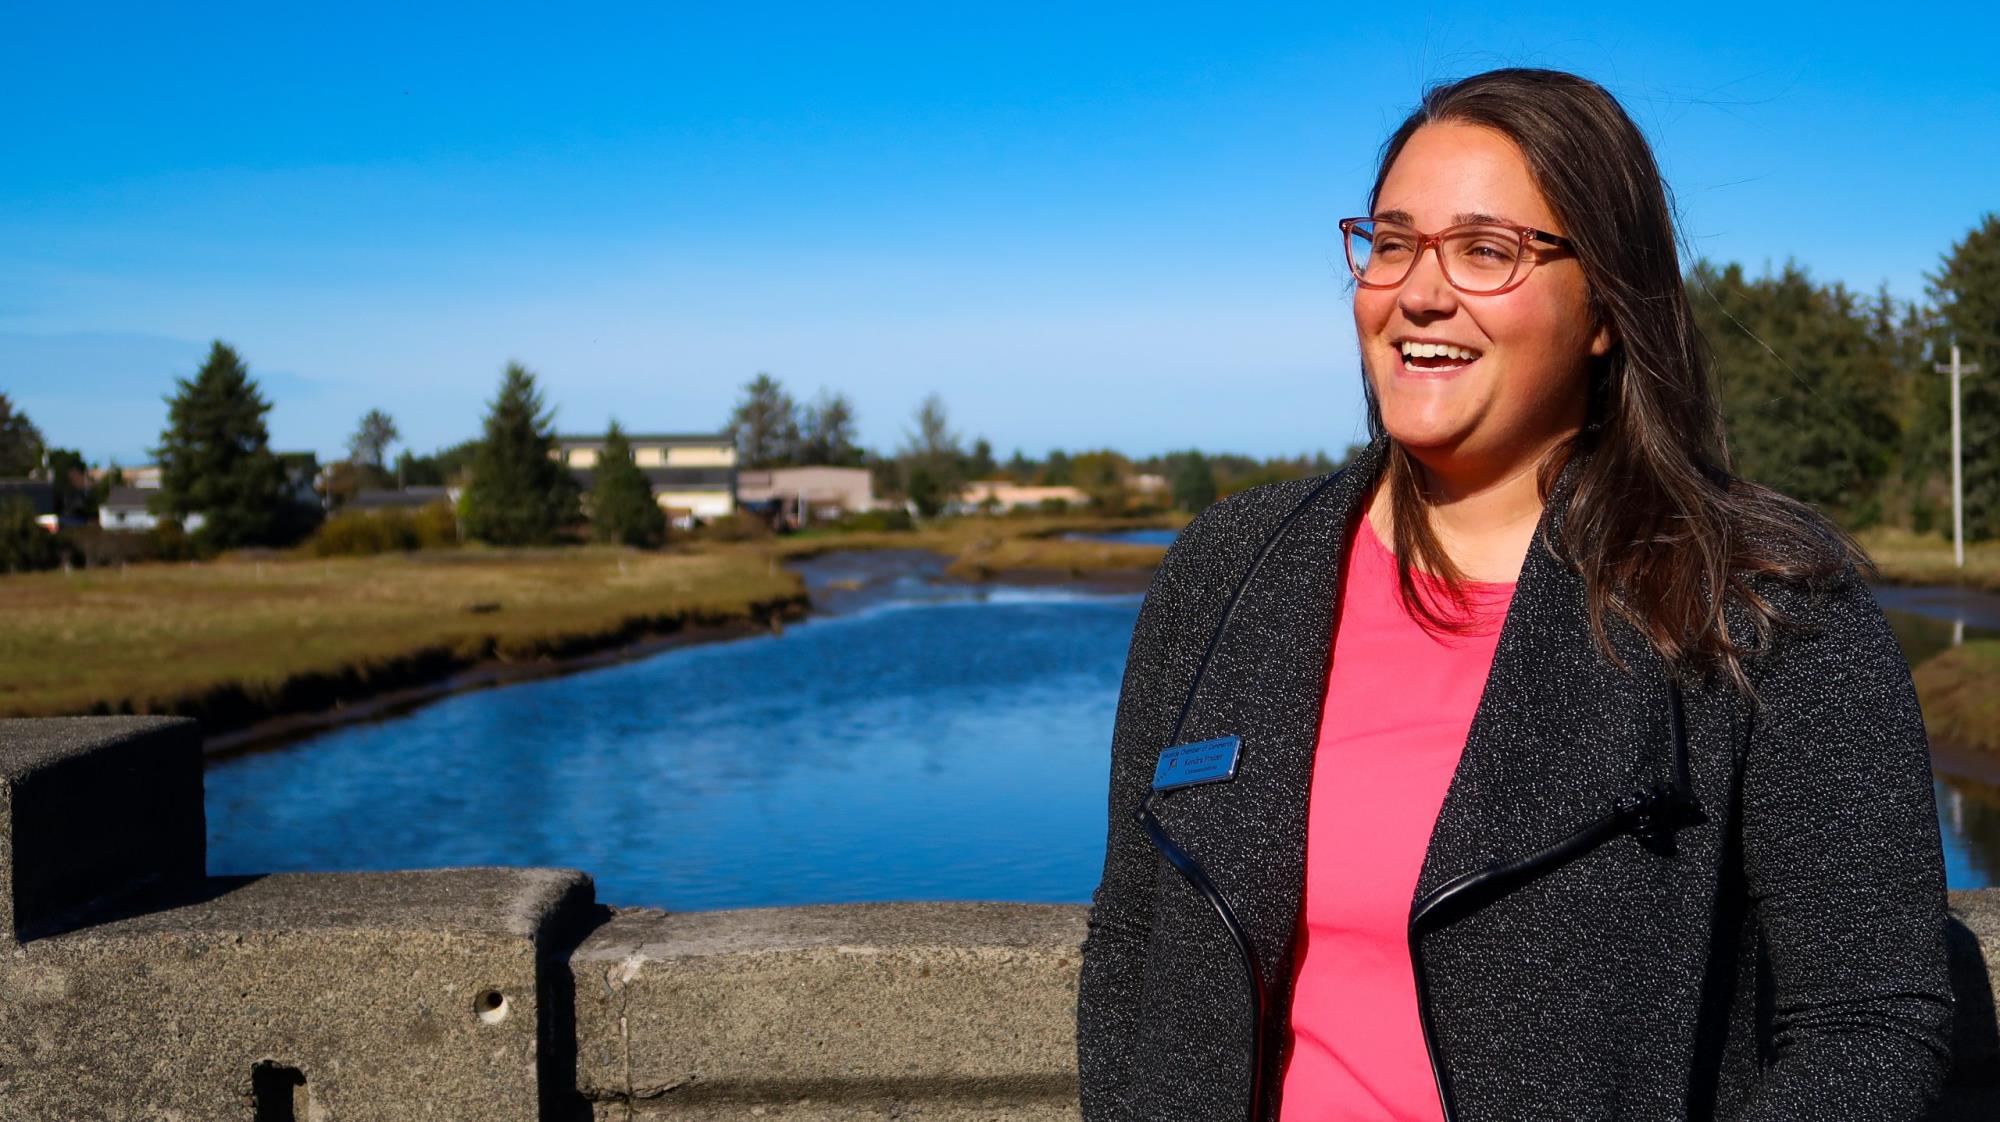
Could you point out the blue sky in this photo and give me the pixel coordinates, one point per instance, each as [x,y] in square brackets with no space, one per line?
[1083,225]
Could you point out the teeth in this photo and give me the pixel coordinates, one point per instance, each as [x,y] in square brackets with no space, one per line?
[1438,350]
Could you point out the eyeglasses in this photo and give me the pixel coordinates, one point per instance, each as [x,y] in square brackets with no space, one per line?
[1477,258]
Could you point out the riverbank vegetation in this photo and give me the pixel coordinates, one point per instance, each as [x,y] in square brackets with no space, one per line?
[1960,704]
[243,638]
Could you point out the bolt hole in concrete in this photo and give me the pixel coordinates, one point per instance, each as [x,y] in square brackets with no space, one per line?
[492,1006]
[278,1091]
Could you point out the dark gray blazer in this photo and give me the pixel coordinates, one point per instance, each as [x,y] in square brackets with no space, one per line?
[1781,957]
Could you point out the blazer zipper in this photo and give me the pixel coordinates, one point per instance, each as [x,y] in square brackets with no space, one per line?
[1648,813]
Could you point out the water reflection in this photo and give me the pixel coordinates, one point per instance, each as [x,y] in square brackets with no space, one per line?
[1125,537]
[917,739]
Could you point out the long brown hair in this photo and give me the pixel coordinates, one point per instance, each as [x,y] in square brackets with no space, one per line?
[1657,519]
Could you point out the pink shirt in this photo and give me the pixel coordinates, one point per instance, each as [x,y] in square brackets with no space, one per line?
[1399,703]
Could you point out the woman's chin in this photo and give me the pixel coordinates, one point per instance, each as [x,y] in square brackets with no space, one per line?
[1422,435]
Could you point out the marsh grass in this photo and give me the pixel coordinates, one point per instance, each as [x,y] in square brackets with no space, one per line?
[1910,558]
[241,638]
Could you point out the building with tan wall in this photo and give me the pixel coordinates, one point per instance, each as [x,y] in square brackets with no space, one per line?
[693,475]
[1008,495]
[800,496]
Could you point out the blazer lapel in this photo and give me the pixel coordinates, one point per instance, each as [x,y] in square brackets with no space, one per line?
[1266,683]
[1558,736]
[1560,733]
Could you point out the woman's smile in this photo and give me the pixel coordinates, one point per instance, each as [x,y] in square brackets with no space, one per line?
[1433,359]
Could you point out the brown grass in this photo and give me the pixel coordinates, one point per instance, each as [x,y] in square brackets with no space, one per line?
[235,640]
[1908,558]
[982,548]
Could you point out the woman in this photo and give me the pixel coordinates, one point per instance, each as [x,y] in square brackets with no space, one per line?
[1497,810]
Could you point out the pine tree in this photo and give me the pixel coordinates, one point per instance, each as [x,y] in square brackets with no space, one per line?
[216,460]
[520,493]
[826,432]
[1193,482]
[622,508]
[1966,288]
[765,424]
[370,443]
[20,442]
[932,461]
[1808,387]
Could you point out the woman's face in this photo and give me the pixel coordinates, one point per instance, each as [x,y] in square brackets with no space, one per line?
[1527,386]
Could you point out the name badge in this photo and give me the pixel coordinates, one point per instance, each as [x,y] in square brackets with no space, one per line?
[1204,761]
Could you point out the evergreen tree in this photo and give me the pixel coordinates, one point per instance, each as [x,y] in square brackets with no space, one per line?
[24,545]
[622,508]
[1055,470]
[520,493]
[1966,288]
[980,465]
[369,445]
[827,432]
[20,442]
[765,424]
[1809,392]
[932,459]
[69,475]
[1020,468]
[215,458]
[1193,482]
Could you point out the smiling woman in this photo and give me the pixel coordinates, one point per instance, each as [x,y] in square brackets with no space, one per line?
[1568,775]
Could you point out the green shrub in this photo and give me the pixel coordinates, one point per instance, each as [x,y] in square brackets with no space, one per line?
[359,533]
[881,520]
[735,526]
[24,545]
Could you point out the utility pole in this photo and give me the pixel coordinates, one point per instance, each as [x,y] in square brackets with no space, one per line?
[1957,370]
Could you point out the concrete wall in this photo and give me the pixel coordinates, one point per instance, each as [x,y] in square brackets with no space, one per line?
[132,986]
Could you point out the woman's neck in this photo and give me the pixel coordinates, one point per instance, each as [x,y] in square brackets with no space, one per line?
[1483,519]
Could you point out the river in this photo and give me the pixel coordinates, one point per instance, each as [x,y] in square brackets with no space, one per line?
[916,739]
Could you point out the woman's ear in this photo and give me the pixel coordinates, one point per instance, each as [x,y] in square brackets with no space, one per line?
[1600,343]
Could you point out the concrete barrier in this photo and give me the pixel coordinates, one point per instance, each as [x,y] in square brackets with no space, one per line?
[133,986]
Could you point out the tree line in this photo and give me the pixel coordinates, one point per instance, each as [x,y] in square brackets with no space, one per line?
[1827,394]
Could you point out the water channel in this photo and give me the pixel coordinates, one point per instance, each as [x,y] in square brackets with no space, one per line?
[917,739]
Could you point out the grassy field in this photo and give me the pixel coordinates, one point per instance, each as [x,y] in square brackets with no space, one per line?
[232,641]
[242,639]
[1907,558]
[984,548]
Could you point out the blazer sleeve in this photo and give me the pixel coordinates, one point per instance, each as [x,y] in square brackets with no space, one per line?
[1157,665]
[1845,872]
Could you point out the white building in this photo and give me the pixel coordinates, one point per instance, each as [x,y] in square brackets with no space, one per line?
[693,475]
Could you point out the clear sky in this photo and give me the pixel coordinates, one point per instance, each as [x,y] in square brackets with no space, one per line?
[1084,225]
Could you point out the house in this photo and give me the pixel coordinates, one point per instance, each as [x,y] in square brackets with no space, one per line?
[142,476]
[693,475]
[1007,495]
[125,509]
[798,496]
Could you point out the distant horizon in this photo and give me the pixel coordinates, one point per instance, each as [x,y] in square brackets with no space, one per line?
[1110,228]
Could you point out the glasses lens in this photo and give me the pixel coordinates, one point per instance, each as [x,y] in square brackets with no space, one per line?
[1481,258]
[1380,252]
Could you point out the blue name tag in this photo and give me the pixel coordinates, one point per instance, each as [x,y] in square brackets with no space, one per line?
[1204,761]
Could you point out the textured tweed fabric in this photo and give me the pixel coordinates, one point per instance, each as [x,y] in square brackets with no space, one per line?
[1782,957]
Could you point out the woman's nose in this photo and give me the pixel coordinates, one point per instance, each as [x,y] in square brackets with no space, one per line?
[1425,291]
